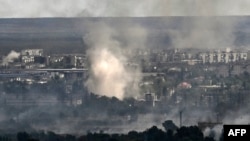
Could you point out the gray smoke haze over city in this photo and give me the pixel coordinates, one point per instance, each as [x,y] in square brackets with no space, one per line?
[110,47]
[119,8]
[110,76]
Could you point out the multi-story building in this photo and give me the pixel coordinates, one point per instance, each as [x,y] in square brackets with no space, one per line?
[222,57]
[67,61]
[33,58]
[32,52]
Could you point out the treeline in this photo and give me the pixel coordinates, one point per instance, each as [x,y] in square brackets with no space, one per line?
[192,133]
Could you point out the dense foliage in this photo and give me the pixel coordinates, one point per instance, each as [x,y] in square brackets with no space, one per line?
[192,133]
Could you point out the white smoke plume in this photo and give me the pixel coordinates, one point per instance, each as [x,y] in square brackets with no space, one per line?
[214,132]
[121,8]
[110,75]
[10,57]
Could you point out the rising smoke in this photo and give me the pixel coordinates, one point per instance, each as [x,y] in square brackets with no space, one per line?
[10,57]
[110,73]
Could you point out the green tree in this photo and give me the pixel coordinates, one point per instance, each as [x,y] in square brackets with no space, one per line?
[169,125]
[192,133]
[22,136]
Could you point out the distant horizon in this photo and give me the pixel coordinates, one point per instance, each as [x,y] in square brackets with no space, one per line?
[58,34]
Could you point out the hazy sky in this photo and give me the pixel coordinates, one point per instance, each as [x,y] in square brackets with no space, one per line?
[118,8]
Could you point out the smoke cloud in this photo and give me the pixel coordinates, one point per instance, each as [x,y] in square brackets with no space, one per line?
[119,8]
[10,57]
[110,73]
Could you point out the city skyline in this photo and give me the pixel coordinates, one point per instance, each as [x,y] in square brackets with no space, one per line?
[82,72]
